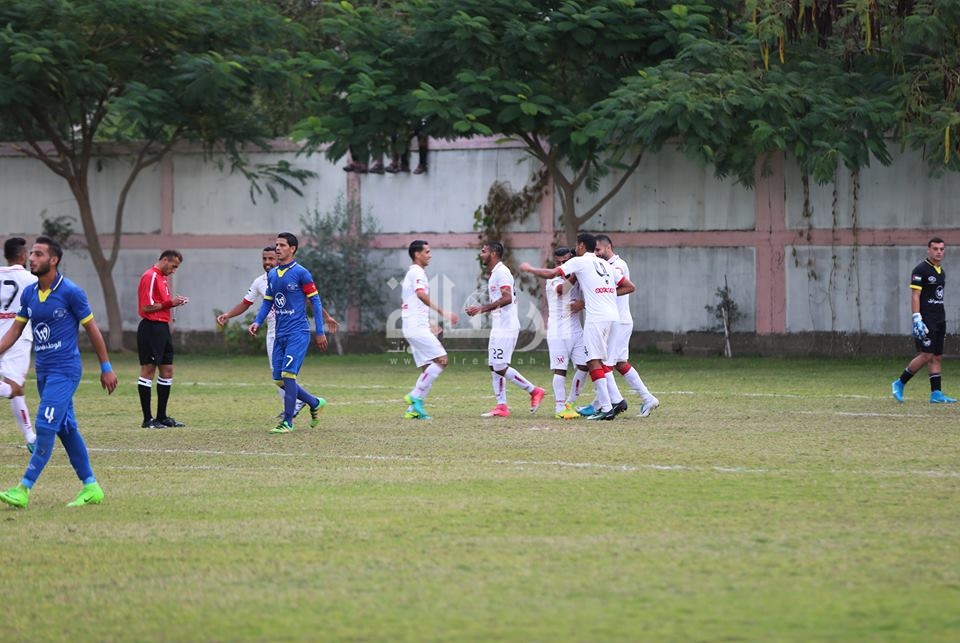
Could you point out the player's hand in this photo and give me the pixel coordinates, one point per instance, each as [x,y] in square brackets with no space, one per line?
[577,305]
[108,381]
[453,317]
[222,319]
[524,267]
[919,328]
[253,328]
[180,300]
[320,341]
[471,310]
[332,325]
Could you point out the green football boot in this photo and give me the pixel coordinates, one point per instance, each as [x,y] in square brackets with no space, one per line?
[315,412]
[91,494]
[17,496]
[283,427]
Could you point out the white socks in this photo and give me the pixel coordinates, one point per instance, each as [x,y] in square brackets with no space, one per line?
[499,387]
[579,378]
[514,376]
[633,379]
[20,413]
[559,391]
[615,396]
[426,380]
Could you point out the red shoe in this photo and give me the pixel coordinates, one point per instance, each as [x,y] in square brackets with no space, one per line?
[499,411]
[535,398]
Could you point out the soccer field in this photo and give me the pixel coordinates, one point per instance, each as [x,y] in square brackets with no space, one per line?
[765,500]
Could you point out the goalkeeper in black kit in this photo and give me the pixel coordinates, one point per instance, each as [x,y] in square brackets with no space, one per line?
[929,323]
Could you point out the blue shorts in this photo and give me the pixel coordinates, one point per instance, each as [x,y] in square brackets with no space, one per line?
[289,352]
[55,412]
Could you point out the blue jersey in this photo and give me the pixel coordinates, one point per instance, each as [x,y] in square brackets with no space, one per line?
[56,315]
[289,288]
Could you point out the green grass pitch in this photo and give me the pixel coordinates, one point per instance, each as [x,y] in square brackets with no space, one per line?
[765,500]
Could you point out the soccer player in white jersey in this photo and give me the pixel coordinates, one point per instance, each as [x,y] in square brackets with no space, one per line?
[598,284]
[504,330]
[428,353]
[255,296]
[15,363]
[565,339]
[620,339]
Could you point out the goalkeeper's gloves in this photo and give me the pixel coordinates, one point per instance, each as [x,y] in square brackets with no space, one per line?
[919,328]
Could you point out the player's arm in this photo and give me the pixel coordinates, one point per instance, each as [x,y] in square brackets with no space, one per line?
[108,379]
[625,287]
[425,298]
[265,307]
[543,273]
[506,297]
[331,324]
[320,339]
[919,328]
[239,309]
[13,333]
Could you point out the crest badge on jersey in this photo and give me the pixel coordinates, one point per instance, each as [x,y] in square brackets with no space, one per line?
[42,332]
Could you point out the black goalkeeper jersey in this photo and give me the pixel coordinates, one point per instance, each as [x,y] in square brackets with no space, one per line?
[929,280]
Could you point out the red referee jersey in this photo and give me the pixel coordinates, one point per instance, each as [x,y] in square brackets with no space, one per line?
[154,289]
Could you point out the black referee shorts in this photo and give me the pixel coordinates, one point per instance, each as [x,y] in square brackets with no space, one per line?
[154,342]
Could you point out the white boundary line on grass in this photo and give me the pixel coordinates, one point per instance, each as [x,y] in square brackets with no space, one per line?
[511,463]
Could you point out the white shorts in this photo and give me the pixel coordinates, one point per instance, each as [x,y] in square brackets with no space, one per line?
[15,363]
[596,336]
[618,345]
[500,347]
[425,347]
[565,352]
[270,338]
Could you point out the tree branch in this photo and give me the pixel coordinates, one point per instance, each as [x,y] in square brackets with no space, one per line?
[612,192]
[143,161]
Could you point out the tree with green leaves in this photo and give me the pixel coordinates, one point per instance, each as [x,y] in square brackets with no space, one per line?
[531,71]
[336,247]
[142,75]
[829,83]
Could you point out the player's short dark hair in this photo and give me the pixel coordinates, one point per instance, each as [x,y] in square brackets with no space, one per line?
[170,254]
[935,240]
[495,247]
[602,238]
[54,246]
[588,240]
[272,248]
[290,238]
[13,248]
[416,246]
[562,251]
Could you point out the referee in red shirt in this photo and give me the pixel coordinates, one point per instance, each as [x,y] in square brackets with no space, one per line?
[154,344]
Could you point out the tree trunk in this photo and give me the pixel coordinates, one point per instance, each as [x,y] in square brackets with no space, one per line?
[114,334]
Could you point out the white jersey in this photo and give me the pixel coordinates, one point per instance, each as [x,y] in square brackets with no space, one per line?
[622,271]
[598,285]
[414,313]
[13,281]
[504,318]
[561,321]
[255,296]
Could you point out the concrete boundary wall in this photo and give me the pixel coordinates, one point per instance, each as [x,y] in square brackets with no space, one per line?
[800,259]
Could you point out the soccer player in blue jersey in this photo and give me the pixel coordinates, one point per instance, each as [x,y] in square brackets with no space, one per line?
[289,287]
[56,308]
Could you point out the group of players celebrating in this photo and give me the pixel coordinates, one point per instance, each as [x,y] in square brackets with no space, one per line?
[595,280]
